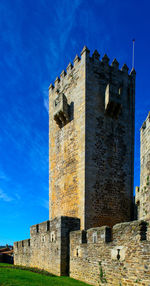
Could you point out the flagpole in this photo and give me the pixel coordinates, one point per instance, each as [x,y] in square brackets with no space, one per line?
[133,53]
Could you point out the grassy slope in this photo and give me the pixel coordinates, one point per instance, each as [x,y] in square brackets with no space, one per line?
[16,277]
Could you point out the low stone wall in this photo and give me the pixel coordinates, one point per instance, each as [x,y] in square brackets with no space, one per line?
[120,256]
[48,247]
[117,256]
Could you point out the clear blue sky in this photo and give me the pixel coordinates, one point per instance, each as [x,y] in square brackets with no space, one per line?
[38,38]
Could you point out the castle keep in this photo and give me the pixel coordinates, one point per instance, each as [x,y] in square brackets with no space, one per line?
[91,126]
[91,161]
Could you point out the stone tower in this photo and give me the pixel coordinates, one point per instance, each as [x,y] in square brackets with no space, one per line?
[91,141]
[143,192]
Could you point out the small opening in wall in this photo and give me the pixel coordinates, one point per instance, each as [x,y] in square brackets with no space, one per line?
[108,235]
[118,254]
[143,231]
[22,243]
[77,252]
[138,209]
[37,228]
[48,225]
[95,237]
[115,147]
[120,90]
[17,244]
[43,238]
[28,242]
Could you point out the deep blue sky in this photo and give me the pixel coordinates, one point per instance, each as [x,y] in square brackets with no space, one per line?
[38,38]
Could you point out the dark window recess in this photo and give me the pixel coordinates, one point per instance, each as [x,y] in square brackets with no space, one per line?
[108,234]
[143,230]
[28,242]
[48,225]
[138,209]
[37,228]
[17,244]
[84,236]
[22,243]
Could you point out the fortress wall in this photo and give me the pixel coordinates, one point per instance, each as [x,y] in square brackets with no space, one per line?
[46,246]
[125,260]
[49,246]
[22,252]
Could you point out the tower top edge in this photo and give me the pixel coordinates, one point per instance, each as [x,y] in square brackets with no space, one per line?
[146,123]
[94,58]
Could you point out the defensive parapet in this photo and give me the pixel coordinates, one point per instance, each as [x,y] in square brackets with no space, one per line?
[91,141]
[94,60]
[116,256]
[142,197]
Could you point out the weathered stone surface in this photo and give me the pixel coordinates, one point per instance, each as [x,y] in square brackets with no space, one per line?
[67,146]
[98,262]
[143,192]
[48,246]
[91,157]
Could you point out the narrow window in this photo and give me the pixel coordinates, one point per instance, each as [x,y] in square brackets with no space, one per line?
[17,244]
[22,243]
[52,236]
[28,242]
[94,237]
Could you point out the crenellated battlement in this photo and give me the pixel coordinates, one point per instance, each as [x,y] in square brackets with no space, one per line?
[111,257]
[117,234]
[94,60]
[43,227]
[22,243]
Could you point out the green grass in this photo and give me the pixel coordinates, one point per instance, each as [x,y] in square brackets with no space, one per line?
[11,276]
